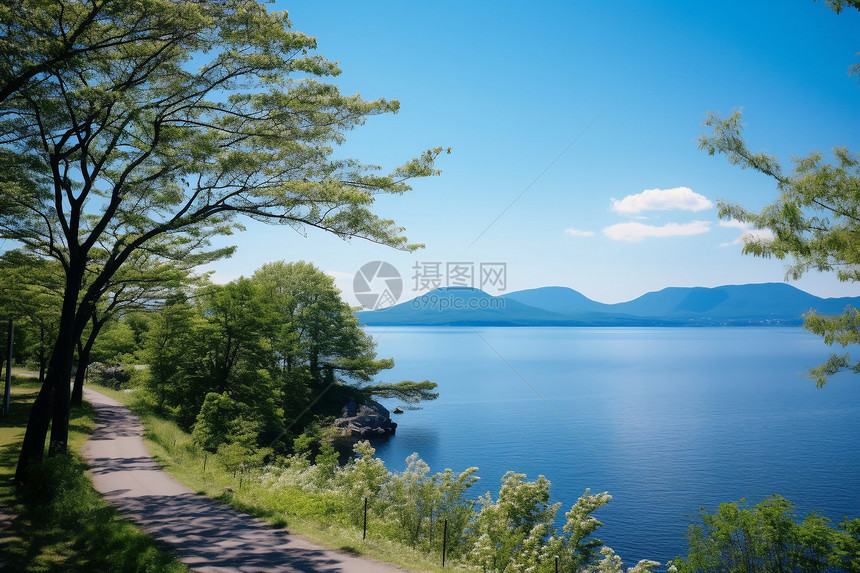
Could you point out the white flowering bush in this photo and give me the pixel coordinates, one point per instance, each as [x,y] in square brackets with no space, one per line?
[515,532]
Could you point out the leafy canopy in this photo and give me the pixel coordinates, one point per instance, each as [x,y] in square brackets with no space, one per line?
[815,223]
[151,125]
[162,136]
[740,538]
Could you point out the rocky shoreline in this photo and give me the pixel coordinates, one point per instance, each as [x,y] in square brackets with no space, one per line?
[363,421]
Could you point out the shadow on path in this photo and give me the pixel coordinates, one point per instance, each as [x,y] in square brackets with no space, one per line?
[210,537]
[205,535]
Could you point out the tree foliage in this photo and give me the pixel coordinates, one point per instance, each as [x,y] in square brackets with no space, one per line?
[150,125]
[517,532]
[838,5]
[514,532]
[815,223]
[420,502]
[165,349]
[30,295]
[282,344]
[406,391]
[213,421]
[769,537]
[313,330]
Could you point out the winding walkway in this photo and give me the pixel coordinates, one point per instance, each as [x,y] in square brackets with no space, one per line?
[205,535]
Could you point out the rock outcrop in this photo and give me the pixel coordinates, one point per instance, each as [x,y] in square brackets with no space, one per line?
[364,421]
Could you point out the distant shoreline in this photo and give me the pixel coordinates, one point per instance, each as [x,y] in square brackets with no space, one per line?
[766,304]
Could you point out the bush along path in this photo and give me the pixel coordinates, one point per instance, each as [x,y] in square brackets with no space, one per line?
[205,535]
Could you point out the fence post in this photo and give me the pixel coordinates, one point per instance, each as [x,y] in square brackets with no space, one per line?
[364,528]
[444,541]
[556,564]
[205,457]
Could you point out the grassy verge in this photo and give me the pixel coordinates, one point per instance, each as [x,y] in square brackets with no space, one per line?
[59,522]
[318,517]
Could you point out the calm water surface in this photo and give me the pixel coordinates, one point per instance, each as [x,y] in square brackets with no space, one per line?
[665,419]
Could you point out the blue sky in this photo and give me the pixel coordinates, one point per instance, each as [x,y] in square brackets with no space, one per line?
[565,117]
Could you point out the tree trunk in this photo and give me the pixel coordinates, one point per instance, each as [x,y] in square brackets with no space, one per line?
[77,399]
[83,363]
[62,360]
[52,403]
[33,447]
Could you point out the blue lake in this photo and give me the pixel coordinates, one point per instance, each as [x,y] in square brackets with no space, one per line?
[665,419]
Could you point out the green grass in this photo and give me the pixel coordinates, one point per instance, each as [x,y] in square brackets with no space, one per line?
[319,517]
[59,522]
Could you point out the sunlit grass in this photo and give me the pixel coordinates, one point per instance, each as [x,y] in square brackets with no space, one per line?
[320,517]
[59,522]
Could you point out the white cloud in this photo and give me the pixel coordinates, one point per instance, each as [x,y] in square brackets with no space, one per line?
[681,198]
[578,233]
[747,232]
[634,232]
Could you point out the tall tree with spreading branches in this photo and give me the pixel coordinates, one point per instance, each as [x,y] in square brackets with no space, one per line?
[815,222]
[154,124]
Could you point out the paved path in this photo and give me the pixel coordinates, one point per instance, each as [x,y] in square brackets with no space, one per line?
[205,535]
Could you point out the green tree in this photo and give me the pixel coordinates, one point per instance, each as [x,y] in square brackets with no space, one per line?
[316,330]
[409,499]
[143,284]
[318,350]
[512,531]
[230,354]
[420,504]
[363,478]
[30,295]
[126,143]
[239,451]
[578,546]
[740,538]
[214,421]
[517,531]
[405,390]
[216,346]
[165,350]
[611,563]
[282,343]
[450,505]
[238,318]
[34,286]
[815,222]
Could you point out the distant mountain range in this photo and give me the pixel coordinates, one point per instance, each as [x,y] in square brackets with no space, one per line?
[731,305]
